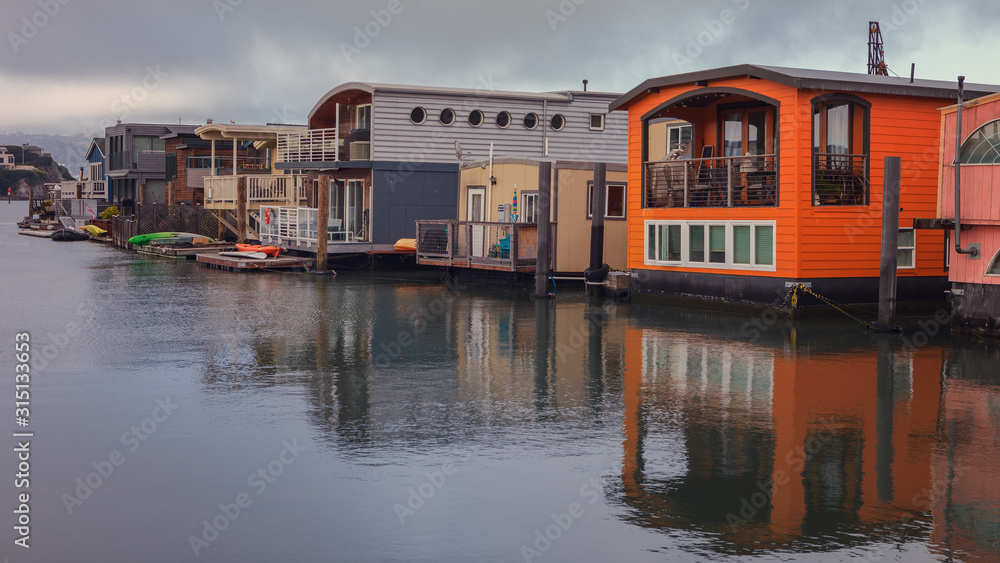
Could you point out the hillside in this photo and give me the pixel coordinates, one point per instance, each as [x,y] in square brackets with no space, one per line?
[46,171]
[68,150]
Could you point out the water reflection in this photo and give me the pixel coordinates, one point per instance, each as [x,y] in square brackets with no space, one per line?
[808,437]
[793,444]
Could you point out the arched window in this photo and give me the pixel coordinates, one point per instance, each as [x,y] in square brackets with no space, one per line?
[994,269]
[840,144]
[983,145]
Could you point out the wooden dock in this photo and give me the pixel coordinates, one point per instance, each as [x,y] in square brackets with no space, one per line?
[189,252]
[237,264]
[33,233]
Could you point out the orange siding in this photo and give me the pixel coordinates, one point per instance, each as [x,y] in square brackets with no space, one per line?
[813,241]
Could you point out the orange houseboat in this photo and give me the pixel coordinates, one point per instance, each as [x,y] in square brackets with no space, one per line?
[975,280]
[776,178]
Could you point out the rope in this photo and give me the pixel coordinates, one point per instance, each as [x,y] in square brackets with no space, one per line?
[553,282]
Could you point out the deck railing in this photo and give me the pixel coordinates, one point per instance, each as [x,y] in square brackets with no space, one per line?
[840,179]
[314,145]
[220,191]
[482,245]
[286,224]
[88,190]
[712,182]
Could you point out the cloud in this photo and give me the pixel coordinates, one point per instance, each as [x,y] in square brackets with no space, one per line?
[251,61]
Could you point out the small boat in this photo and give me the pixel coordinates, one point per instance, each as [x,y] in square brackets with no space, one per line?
[406,245]
[272,251]
[143,240]
[248,254]
[68,235]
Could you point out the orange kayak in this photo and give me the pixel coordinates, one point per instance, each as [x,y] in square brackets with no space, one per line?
[272,251]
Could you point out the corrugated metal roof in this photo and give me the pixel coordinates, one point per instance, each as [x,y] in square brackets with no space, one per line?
[814,79]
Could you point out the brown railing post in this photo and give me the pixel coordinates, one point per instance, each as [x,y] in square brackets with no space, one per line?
[241,209]
[322,218]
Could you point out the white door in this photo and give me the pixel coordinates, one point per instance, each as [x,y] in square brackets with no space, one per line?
[477,197]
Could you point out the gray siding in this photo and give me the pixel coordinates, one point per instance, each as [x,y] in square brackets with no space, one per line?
[399,199]
[396,138]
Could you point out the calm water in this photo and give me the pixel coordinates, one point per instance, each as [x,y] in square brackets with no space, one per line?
[182,413]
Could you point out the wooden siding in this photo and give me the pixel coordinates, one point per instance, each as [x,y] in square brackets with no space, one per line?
[815,241]
[980,187]
[965,270]
[396,138]
[568,210]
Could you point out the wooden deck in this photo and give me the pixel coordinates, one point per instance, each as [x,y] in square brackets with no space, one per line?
[189,253]
[38,234]
[237,264]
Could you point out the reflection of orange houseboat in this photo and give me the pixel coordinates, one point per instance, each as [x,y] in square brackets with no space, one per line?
[768,449]
[784,182]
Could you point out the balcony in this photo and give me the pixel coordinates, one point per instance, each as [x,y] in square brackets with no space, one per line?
[87,190]
[840,179]
[325,145]
[297,226]
[508,247]
[734,181]
[262,189]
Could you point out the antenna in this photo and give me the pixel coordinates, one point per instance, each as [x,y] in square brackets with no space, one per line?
[876,54]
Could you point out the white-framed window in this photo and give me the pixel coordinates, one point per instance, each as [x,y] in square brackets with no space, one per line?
[678,135]
[614,201]
[418,115]
[597,122]
[503,119]
[447,116]
[530,209]
[906,249]
[994,268]
[735,245]
[364,120]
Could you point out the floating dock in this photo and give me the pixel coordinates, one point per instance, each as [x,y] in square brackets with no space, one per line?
[237,264]
[188,252]
[33,233]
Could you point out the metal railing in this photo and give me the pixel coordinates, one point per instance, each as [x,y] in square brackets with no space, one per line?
[220,191]
[729,181]
[284,224]
[314,145]
[482,245]
[840,179]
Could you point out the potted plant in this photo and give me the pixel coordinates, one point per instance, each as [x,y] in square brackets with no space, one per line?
[828,191]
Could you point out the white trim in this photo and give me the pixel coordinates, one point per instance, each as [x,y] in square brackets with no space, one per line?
[591,123]
[607,195]
[912,249]
[993,262]
[685,244]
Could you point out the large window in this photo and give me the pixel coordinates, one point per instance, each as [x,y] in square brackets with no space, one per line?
[994,267]
[730,245]
[906,249]
[744,131]
[614,201]
[840,150]
[983,146]
[364,120]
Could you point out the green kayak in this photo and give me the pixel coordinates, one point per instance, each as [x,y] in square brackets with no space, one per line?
[143,240]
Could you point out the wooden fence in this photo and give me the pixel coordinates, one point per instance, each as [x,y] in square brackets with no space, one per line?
[158,218]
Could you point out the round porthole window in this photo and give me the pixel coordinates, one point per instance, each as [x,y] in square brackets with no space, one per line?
[557,122]
[530,121]
[503,119]
[475,118]
[418,115]
[447,116]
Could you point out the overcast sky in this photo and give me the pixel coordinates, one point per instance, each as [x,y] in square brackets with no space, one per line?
[73,66]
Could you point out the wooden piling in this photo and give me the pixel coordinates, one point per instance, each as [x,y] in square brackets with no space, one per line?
[890,242]
[241,209]
[542,255]
[597,216]
[323,206]
[171,195]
